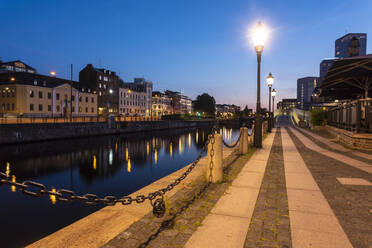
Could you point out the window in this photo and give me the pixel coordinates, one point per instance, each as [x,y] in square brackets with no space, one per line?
[80,98]
[35,82]
[57,108]
[31,93]
[100,85]
[86,99]
[100,77]
[49,107]
[40,107]
[13,93]
[105,79]
[31,107]
[79,109]
[92,110]
[7,106]
[100,93]
[40,94]
[49,95]
[12,106]
[92,99]
[72,97]
[57,96]
[86,109]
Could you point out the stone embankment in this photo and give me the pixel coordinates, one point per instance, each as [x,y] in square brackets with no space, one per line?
[20,133]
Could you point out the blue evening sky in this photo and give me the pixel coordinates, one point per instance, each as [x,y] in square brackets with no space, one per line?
[193,46]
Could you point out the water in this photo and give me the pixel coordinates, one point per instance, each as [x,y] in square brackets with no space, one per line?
[103,165]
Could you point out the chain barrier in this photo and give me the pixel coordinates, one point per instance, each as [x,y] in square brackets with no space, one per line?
[36,189]
[230,145]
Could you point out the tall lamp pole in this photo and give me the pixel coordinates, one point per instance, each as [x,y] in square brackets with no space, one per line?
[270,81]
[259,36]
[273,93]
[71,97]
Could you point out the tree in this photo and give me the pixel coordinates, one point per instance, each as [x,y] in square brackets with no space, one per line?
[205,103]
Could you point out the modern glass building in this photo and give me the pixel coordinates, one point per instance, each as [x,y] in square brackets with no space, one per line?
[350,45]
[305,88]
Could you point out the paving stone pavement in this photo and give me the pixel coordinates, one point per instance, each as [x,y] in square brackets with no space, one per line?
[351,204]
[270,225]
[187,222]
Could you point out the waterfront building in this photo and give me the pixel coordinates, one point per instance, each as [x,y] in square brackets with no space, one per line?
[227,110]
[305,88]
[30,94]
[186,104]
[106,84]
[15,66]
[161,104]
[350,45]
[135,98]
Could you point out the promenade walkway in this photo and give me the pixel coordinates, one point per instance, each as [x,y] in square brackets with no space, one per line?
[300,190]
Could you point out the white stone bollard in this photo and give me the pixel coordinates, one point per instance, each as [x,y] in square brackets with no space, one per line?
[243,143]
[216,158]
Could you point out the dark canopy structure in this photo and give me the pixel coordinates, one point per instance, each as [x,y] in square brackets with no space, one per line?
[349,78]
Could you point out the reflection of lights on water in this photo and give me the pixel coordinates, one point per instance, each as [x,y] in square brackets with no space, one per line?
[110,157]
[203,136]
[126,154]
[129,167]
[197,137]
[189,140]
[148,148]
[13,187]
[116,147]
[53,197]
[156,156]
[153,142]
[94,162]
[7,172]
[171,149]
[180,145]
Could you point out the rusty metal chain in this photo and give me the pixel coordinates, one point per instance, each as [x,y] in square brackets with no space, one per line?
[36,189]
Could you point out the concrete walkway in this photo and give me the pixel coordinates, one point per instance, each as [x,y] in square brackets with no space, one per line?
[342,158]
[313,223]
[336,146]
[227,224]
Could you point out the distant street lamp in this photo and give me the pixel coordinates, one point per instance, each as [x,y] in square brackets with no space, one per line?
[273,93]
[259,37]
[53,73]
[270,81]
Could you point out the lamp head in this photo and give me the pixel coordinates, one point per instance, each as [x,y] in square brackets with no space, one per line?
[259,37]
[270,79]
[273,93]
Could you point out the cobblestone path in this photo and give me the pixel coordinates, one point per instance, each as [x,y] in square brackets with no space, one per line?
[270,225]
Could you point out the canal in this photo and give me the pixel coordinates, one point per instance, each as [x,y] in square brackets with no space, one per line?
[103,165]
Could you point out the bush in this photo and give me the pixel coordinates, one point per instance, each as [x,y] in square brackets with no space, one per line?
[318,117]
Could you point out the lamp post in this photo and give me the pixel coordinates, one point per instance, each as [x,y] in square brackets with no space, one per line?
[259,36]
[273,93]
[270,81]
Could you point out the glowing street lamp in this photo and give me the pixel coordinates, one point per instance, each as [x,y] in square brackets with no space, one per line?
[273,94]
[53,73]
[270,82]
[259,38]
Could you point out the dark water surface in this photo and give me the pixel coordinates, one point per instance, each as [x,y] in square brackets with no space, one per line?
[103,165]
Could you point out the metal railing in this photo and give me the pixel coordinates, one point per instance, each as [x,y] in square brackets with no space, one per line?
[353,116]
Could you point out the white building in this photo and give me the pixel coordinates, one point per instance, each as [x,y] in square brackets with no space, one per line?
[135,98]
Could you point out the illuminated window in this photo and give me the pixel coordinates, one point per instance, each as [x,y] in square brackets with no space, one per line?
[31,93]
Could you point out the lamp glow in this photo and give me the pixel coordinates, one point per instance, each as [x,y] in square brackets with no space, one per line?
[273,93]
[270,79]
[259,37]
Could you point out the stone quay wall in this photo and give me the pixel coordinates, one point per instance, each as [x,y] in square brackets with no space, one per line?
[22,133]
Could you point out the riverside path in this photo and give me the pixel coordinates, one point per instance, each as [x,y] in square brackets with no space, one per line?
[300,190]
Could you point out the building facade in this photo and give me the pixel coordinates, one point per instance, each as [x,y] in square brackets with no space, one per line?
[350,45]
[106,84]
[34,95]
[161,104]
[135,98]
[305,88]
[227,110]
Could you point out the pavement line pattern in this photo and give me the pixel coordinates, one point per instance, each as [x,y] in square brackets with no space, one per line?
[354,181]
[336,146]
[313,223]
[342,158]
[227,224]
